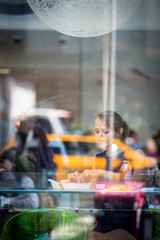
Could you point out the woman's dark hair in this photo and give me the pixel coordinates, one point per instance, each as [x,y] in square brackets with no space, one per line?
[43,152]
[9,154]
[110,118]
[45,123]
[39,133]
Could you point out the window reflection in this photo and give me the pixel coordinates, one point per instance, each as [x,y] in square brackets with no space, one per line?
[62,82]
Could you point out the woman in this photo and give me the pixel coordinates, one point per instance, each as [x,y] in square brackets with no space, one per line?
[11,177]
[38,158]
[108,126]
[37,155]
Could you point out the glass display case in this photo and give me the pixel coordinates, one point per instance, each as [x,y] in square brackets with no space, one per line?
[100,207]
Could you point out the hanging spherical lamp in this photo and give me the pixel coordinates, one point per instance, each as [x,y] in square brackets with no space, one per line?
[84,18]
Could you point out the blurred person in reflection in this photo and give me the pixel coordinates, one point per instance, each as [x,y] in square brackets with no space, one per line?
[151,148]
[152,180]
[12,177]
[133,140]
[150,172]
[37,156]
[156,137]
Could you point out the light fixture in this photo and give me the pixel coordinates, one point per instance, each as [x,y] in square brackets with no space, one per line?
[84,18]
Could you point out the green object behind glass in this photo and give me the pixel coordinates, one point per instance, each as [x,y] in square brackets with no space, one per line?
[46,224]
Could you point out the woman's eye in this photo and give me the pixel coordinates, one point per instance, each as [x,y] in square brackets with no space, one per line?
[96,131]
[106,132]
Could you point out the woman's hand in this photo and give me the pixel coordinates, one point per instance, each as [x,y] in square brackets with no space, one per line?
[86,176]
[73,177]
[97,175]
[78,177]
[92,175]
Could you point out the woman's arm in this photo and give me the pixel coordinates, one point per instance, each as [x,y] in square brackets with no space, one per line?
[94,176]
[26,200]
[98,175]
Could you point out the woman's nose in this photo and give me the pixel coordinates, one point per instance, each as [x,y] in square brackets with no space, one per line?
[100,134]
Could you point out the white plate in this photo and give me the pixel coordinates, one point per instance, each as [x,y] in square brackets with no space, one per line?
[76,186]
[55,184]
[69,186]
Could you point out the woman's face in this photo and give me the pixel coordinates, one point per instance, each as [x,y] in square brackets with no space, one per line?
[104,134]
[8,165]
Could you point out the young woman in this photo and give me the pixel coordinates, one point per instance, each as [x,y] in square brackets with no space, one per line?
[112,225]
[108,126]
[12,177]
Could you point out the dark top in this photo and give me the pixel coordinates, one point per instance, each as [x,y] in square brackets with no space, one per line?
[10,180]
[114,214]
[39,164]
[119,156]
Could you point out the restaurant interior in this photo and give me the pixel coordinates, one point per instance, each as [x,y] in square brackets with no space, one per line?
[70,70]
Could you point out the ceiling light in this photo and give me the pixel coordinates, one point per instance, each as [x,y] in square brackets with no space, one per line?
[84,18]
